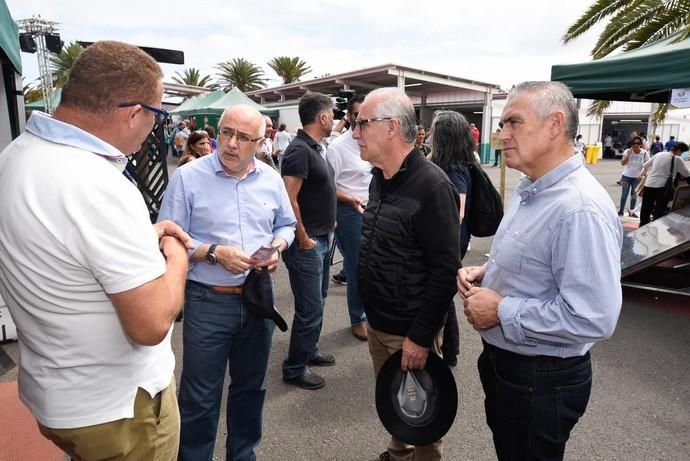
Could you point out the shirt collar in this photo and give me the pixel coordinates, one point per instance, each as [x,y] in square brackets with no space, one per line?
[46,127]
[218,167]
[527,188]
[308,139]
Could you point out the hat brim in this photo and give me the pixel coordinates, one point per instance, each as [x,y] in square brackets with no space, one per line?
[447,402]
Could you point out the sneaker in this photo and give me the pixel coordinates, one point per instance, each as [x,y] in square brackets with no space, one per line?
[620,213]
[309,380]
[339,279]
[633,215]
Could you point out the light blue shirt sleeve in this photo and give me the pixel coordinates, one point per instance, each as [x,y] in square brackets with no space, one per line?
[176,207]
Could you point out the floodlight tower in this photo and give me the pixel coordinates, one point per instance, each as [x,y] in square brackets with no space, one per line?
[39,35]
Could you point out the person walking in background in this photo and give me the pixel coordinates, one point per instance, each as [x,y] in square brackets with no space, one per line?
[669,144]
[93,287]
[658,169]
[580,146]
[281,142]
[551,288]
[657,146]
[420,143]
[198,144]
[410,248]
[211,137]
[633,160]
[496,145]
[352,178]
[453,153]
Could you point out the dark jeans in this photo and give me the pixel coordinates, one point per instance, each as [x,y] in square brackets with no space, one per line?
[532,403]
[219,332]
[654,203]
[497,158]
[308,271]
[349,232]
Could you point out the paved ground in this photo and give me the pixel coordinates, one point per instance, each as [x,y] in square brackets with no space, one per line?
[639,410]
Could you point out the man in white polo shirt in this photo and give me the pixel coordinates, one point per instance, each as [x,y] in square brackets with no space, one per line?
[352,178]
[93,287]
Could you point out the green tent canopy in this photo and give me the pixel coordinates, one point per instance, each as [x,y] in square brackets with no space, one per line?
[645,74]
[213,104]
[9,37]
[191,105]
[233,98]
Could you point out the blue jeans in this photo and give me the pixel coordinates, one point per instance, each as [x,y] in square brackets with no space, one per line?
[308,271]
[349,232]
[219,332]
[532,403]
[628,183]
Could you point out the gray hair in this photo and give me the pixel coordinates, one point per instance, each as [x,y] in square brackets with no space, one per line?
[396,104]
[452,140]
[547,98]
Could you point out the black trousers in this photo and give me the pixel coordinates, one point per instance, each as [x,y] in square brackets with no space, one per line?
[654,203]
[532,403]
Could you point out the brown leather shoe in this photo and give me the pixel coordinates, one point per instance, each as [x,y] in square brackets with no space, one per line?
[360,331]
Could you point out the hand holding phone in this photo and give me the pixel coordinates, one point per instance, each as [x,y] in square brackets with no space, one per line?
[263,253]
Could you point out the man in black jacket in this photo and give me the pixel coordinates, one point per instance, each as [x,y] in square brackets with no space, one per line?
[410,250]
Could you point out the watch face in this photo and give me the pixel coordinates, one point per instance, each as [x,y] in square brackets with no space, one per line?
[211,255]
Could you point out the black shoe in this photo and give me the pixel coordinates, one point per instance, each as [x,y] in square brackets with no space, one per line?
[309,380]
[339,279]
[323,360]
[385,456]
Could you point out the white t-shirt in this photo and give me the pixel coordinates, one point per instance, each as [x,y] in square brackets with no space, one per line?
[659,167]
[633,168]
[282,140]
[73,229]
[352,174]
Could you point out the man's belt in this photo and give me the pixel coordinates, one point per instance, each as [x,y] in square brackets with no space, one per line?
[236,290]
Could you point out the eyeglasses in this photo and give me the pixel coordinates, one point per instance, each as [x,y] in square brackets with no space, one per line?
[362,123]
[241,136]
[161,114]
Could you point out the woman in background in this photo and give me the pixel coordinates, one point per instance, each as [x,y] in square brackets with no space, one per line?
[198,144]
[453,152]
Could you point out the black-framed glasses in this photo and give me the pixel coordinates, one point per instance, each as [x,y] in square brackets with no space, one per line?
[161,114]
[242,137]
[362,123]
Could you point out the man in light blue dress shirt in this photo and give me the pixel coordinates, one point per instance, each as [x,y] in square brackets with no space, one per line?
[551,287]
[231,205]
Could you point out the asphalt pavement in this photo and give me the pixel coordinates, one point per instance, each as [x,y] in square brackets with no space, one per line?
[639,408]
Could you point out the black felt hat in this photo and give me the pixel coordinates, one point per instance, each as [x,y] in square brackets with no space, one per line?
[417,407]
[257,297]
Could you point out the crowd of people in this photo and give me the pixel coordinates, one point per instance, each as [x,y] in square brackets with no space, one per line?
[94,288]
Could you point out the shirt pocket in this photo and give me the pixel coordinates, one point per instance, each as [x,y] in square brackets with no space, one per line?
[512,253]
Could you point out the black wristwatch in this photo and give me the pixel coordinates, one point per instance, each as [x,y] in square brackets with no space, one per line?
[211,254]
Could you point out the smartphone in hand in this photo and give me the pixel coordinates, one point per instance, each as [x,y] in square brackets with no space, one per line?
[263,253]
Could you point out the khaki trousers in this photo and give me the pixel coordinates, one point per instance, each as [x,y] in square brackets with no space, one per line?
[153,434]
[381,346]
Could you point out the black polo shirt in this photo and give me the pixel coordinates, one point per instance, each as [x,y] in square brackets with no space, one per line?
[316,198]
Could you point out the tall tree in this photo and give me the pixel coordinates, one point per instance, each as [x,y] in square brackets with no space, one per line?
[61,64]
[192,76]
[631,24]
[290,69]
[240,73]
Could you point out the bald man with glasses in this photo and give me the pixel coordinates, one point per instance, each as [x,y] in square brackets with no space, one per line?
[231,204]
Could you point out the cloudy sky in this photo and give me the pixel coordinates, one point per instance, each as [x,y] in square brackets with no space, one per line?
[494,41]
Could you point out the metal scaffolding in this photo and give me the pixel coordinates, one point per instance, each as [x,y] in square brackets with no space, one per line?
[39,28]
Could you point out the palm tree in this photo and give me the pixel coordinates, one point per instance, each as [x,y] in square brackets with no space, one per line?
[32,94]
[61,64]
[192,76]
[241,74]
[289,69]
[631,24]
